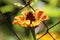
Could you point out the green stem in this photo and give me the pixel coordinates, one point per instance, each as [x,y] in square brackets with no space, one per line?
[33,33]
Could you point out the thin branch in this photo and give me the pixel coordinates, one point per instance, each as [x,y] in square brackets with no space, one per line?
[51,36]
[48,30]
[13,31]
[18,9]
[42,36]
[45,25]
[54,25]
[32,7]
[9,26]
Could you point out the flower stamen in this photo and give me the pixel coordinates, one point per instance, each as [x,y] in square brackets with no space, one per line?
[30,17]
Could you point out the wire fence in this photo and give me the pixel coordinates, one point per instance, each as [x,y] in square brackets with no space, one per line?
[18,9]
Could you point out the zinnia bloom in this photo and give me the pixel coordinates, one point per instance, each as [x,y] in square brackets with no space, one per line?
[30,18]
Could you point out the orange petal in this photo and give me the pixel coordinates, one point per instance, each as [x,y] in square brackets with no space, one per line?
[21,18]
[39,14]
[45,17]
[14,22]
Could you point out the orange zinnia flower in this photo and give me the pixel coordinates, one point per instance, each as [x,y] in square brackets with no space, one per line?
[30,18]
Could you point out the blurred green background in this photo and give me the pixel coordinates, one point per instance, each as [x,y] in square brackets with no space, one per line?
[50,7]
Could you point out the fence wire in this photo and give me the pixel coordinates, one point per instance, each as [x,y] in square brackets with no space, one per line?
[18,9]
